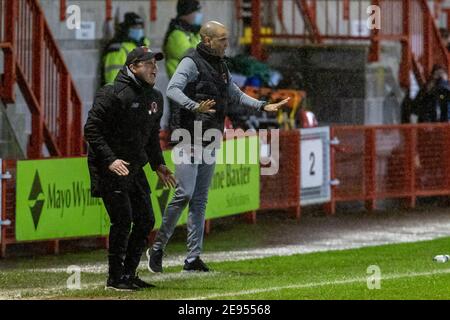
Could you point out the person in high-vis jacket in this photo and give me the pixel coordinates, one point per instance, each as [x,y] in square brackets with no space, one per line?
[130,35]
[181,36]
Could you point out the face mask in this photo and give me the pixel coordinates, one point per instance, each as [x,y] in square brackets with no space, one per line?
[136,34]
[198,20]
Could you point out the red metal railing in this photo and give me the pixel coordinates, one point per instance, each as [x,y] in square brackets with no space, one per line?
[410,22]
[371,163]
[282,190]
[2,21]
[35,62]
[7,13]
[399,161]
[8,206]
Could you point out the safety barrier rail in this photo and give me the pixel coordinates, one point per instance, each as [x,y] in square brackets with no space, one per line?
[368,164]
[408,22]
[33,60]
[8,199]
[282,191]
[382,162]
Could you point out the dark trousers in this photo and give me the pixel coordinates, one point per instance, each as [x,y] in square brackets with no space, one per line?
[124,209]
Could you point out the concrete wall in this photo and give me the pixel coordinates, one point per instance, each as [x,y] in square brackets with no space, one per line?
[9,146]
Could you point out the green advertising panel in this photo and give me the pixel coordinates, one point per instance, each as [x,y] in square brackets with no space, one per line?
[53,201]
[53,198]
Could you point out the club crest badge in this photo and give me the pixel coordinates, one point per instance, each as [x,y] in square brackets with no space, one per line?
[153,108]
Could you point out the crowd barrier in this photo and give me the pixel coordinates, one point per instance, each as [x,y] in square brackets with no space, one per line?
[282,191]
[384,162]
[368,164]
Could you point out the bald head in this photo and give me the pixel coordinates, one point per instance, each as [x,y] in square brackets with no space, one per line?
[215,36]
[211,29]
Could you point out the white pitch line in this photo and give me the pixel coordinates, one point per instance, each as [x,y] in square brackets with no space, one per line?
[49,292]
[354,240]
[231,256]
[41,292]
[317,284]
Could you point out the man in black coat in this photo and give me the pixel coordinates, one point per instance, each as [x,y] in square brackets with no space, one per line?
[122,131]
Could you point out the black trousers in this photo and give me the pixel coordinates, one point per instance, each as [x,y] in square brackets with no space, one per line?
[129,209]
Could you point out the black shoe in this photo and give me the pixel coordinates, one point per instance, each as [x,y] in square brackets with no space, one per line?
[124,284]
[196,265]
[155,260]
[138,282]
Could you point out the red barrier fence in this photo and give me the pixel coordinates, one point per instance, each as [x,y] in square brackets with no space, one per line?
[8,206]
[409,23]
[371,162]
[381,162]
[282,191]
[32,59]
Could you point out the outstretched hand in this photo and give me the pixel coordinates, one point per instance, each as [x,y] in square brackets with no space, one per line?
[205,106]
[273,107]
[166,176]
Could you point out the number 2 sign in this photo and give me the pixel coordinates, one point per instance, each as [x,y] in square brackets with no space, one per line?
[315,165]
[311,163]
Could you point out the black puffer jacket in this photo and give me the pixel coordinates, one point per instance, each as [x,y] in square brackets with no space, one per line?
[123,124]
[212,83]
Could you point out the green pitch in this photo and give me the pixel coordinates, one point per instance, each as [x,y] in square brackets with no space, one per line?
[407,272]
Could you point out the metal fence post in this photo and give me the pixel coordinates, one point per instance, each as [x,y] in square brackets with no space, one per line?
[374,49]
[256,47]
[3,221]
[37,119]
[9,72]
[370,168]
